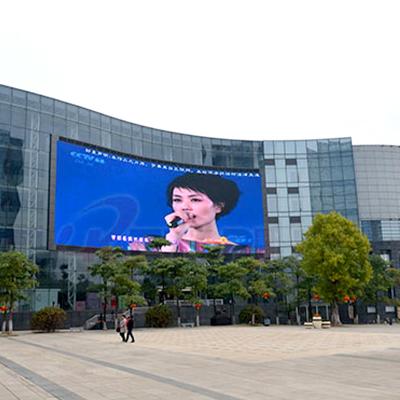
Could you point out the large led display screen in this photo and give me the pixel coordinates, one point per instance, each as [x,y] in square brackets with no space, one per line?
[105,199]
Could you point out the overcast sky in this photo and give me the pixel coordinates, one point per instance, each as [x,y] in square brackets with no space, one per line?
[234,69]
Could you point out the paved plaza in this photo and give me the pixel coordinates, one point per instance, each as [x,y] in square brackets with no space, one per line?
[223,363]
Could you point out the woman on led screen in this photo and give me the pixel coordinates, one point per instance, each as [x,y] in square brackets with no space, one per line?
[198,201]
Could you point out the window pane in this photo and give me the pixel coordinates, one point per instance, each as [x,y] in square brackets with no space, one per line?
[270,176]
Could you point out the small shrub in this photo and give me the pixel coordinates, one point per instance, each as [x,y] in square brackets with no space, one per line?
[159,316]
[48,319]
[247,312]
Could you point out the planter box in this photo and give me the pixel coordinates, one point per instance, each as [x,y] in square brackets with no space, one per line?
[317,322]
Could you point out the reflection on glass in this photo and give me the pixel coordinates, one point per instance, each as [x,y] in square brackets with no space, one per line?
[11,175]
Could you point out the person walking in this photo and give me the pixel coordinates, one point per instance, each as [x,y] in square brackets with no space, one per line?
[129,327]
[122,327]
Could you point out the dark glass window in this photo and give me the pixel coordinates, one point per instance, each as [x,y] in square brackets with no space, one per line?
[84,116]
[147,151]
[5,93]
[345,144]
[5,114]
[95,135]
[348,172]
[242,160]
[126,144]
[157,151]
[95,119]
[176,140]
[47,105]
[291,161]
[116,142]
[293,190]
[84,133]
[177,154]
[295,220]
[155,136]
[273,220]
[167,153]
[18,133]
[33,101]
[105,123]
[269,161]
[59,126]
[60,108]
[337,174]
[137,147]
[186,142]
[72,112]
[115,125]
[270,190]
[19,97]
[46,123]
[196,142]
[126,129]
[166,138]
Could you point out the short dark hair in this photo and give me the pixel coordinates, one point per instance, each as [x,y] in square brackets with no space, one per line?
[221,191]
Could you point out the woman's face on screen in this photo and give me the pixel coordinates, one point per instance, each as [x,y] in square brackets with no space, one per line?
[198,207]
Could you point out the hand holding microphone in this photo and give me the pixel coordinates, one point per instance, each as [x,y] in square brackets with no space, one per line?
[175,222]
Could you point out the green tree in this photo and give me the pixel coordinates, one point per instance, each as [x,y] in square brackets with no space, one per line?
[178,280]
[160,271]
[300,287]
[157,242]
[256,282]
[213,259]
[381,281]
[172,273]
[150,290]
[279,280]
[194,278]
[336,253]
[231,283]
[106,270]
[116,275]
[126,284]
[17,273]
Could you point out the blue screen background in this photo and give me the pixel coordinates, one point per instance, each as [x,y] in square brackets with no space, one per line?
[107,200]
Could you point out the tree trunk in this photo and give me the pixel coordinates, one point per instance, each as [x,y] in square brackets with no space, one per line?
[10,323]
[309,307]
[298,321]
[163,288]
[355,312]
[197,318]
[335,318]
[378,316]
[105,314]
[233,311]
[4,324]
[178,310]
[277,313]
[10,317]
[214,305]
[253,319]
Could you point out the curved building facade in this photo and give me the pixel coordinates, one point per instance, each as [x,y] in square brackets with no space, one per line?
[299,179]
[378,184]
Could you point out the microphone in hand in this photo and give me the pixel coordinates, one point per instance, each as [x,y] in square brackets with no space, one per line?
[175,222]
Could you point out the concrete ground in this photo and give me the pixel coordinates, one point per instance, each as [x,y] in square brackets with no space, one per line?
[223,363]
